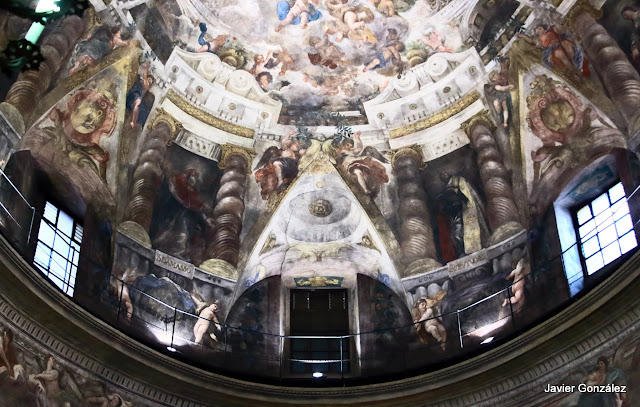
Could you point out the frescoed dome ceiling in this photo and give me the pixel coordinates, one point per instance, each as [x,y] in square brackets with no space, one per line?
[345,56]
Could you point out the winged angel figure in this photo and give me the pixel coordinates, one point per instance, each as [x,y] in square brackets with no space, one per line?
[279,166]
[363,163]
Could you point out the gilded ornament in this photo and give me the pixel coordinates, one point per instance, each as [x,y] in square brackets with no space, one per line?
[207,118]
[414,151]
[437,118]
[163,117]
[483,117]
[229,150]
[581,6]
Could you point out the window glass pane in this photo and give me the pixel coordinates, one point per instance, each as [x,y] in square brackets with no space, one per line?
[50,212]
[78,235]
[604,219]
[46,234]
[628,242]
[584,215]
[61,246]
[600,204]
[620,209]
[624,225]
[590,247]
[616,192]
[42,254]
[607,236]
[59,264]
[611,252]
[594,263]
[65,224]
[587,230]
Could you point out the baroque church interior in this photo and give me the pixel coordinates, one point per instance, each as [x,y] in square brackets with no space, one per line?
[319,202]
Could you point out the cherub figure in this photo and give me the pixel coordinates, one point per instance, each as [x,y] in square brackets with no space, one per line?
[384,7]
[351,22]
[498,91]
[262,63]
[434,42]
[207,42]
[207,315]
[364,163]
[278,167]
[284,59]
[518,276]
[301,11]
[324,52]
[426,316]
[386,56]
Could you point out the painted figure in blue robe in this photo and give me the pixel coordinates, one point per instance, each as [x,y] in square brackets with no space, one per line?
[137,103]
[297,12]
[207,42]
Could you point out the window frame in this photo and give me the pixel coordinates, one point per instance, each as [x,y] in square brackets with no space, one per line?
[602,271]
[68,284]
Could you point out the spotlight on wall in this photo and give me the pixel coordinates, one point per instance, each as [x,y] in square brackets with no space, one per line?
[318,375]
[171,349]
[486,341]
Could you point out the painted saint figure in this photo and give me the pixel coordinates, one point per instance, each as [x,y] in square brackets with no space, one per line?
[426,316]
[278,167]
[297,12]
[461,206]
[498,91]
[633,14]
[185,216]
[135,98]
[364,163]
[98,45]
[559,49]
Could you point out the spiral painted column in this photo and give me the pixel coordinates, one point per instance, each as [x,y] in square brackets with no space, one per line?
[223,236]
[147,177]
[501,209]
[11,27]
[619,77]
[25,93]
[416,234]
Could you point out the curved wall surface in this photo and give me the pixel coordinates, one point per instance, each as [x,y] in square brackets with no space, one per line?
[389,202]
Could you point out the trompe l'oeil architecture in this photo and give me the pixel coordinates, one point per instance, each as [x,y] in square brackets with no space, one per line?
[384,202]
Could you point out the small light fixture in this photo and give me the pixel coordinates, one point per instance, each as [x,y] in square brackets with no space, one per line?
[171,349]
[318,375]
[486,341]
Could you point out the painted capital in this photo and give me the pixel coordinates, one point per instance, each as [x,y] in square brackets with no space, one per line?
[413,151]
[481,118]
[229,150]
[163,117]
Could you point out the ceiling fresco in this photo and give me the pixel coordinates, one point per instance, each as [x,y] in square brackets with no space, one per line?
[327,55]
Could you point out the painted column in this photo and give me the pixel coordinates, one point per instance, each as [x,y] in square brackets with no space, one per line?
[148,177]
[501,209]
[26,92]
[11,27]
[416,234]
[619,77]
[223,236]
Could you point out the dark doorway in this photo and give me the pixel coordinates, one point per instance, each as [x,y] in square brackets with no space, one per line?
[318,314]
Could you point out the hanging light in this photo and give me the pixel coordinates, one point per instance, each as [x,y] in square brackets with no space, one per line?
[43,7]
